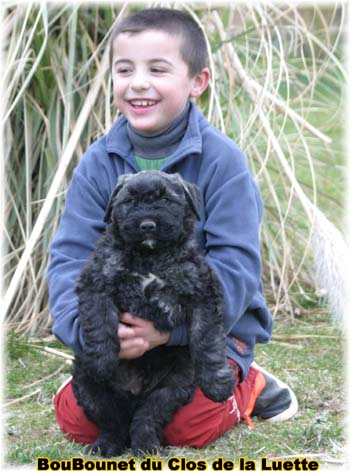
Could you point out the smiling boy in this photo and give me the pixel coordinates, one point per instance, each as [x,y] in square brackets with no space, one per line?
[150,89]
[158,60]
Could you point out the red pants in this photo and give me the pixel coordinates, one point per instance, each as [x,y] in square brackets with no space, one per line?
[195,424]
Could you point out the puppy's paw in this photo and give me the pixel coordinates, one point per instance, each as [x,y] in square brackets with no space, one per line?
[104,447]
[146,450]
[145,442]
[218,385]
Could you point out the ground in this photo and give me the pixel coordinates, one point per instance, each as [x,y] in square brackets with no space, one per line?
[307,352]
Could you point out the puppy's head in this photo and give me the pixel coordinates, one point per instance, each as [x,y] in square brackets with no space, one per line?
[153,209]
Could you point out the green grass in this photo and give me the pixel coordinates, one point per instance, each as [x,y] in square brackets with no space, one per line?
[313,366]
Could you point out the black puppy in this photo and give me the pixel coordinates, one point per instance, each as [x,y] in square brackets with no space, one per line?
[148,264]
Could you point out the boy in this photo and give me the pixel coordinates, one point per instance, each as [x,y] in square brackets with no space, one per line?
[158,61]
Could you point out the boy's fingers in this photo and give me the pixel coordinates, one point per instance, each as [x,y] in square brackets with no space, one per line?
[134,343]
[128,318]
[132,348]
[125,332]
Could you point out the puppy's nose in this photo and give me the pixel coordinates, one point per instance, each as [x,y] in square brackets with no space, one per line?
[148,225]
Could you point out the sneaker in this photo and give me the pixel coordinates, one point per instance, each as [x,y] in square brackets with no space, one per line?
[276,401]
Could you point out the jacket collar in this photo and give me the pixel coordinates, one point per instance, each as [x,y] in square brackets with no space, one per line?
[117,140]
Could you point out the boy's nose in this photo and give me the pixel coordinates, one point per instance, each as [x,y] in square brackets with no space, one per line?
[140,82]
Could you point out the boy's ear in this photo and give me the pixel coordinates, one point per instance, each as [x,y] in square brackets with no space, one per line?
[201,81]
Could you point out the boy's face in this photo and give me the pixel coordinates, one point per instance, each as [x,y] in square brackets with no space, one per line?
[151,82]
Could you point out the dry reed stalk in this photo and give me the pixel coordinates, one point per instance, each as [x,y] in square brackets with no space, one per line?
[303,336]
[331,252]
[23,398]
[287,345]
[18,71]
[42,380]
[56,183]
[58,353]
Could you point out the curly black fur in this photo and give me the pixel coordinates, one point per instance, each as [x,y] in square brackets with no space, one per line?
[148,264]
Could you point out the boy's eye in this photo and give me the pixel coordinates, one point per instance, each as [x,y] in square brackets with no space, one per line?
[157,70]
[123,70]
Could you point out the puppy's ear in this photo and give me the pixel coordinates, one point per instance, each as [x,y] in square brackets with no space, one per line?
[120,183]
[192,194]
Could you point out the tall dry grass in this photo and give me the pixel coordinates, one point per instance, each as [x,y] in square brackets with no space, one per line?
[277,88]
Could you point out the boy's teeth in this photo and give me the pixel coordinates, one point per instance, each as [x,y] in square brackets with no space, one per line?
[142,103]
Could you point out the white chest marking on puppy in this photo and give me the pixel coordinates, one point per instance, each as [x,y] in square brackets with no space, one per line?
[146,280]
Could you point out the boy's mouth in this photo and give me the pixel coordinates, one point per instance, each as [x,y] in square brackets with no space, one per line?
[142,103]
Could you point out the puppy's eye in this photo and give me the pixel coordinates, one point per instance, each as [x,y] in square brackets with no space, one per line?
[170,201]
[166,200]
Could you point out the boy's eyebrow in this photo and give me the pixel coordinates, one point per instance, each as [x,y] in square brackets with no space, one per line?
[160,59]
[123,61]
[151,61]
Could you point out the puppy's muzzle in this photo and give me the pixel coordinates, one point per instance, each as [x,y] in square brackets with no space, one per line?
[148,226]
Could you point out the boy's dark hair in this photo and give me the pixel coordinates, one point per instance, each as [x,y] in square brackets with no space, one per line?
[174,22]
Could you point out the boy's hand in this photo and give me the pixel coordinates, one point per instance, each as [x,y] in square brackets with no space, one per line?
[137,335]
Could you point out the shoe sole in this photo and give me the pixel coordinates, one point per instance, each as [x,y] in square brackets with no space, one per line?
[293,407]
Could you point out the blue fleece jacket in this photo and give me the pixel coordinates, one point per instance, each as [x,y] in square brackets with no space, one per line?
[228,231]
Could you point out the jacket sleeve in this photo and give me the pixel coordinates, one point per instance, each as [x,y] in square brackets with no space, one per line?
[228,233]
[233,210]
[80,225]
